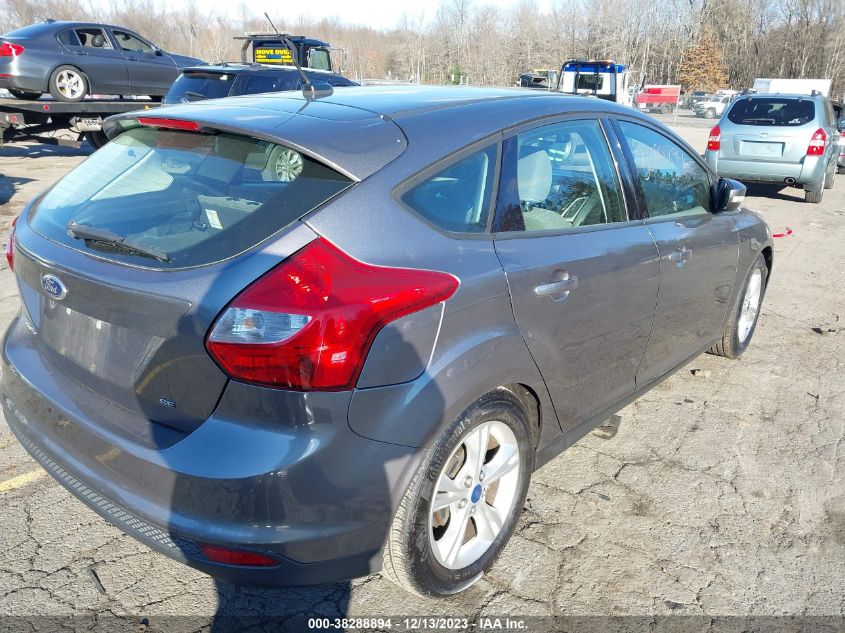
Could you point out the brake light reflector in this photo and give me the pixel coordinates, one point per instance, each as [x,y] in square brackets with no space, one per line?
[10,247]
[309,322]
[7,49]
[170,124]
[817,143]
[229,556]
[714,141]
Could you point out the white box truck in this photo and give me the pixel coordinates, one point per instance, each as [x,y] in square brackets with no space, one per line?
[793,86]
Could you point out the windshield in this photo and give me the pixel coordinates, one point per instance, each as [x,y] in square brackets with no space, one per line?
[178,199]
[778,111]
[193,86]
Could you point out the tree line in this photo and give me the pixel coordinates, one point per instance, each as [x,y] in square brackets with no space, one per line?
[471,42]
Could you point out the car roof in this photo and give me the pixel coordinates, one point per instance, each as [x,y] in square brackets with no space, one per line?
[359,130]
[235,68]
[780,95]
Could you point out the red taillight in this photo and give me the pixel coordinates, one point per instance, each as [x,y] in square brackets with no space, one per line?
[170,124]
[817,143]
[229,556]
[7,49]
[309,322]
[714,141]
[10,247]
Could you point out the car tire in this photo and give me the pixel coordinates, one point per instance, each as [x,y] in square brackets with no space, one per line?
[23,94]
[739,329]
[97,138]
[840,170]
[813,193]
[829,178]
[417,554]
[709,113]
[68,83]
[666,108]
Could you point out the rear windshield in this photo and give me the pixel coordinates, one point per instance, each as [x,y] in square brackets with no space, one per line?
[172,199]
[779,111]
[196,86]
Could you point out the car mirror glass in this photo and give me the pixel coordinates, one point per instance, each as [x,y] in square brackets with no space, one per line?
[730,194]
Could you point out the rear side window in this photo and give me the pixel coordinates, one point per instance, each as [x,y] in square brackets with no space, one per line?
[457,198]
[68,38]
[564,179]
[196,198]
[192,86]
[776,111]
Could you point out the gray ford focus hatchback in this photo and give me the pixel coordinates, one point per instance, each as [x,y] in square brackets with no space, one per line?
[290,340]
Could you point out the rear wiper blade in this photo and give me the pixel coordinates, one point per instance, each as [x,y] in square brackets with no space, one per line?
[94,234]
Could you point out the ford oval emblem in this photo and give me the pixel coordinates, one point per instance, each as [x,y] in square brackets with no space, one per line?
[53,286]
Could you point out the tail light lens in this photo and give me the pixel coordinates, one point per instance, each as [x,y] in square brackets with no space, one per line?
[7,49]
[817,143]
[10,247]
[309,322]
[714,141]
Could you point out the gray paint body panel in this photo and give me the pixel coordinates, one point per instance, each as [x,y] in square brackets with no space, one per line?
[314,478]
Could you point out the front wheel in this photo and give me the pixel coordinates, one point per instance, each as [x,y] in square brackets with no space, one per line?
[463,502]
[666,108]
[67,83]
[709,113]
[746,309]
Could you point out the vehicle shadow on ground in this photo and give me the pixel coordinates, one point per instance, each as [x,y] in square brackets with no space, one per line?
[776,192]
[9,186]
[43,150]
[243,609]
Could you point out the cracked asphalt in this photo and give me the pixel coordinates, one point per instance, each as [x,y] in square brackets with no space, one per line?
[721,492]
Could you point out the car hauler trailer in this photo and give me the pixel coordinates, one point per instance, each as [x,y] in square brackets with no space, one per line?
[35,119]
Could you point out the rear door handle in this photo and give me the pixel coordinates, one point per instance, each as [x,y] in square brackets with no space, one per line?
[559,289]
[680,256]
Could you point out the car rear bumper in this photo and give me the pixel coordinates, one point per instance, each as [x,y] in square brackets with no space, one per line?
[18,76]
[275,472]
[809,170]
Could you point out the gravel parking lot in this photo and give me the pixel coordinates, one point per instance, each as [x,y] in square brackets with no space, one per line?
[720,493]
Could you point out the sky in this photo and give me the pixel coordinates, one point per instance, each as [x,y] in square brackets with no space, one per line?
[379,14]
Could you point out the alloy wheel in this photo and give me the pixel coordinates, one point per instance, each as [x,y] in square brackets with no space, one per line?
[474,495]
[70,84]
[750,305]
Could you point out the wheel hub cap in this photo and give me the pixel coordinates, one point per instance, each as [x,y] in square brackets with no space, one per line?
[476,493]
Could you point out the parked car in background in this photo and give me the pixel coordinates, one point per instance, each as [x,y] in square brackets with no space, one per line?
[264,337]
[690,99]
[788,139]
[839,114]
[713,106]
[229,79]
[70,60]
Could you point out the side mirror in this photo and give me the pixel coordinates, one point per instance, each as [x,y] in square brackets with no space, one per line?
[730,194]
[841,125]
[158,51]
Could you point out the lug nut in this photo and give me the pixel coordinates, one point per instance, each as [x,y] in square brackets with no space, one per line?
[462,504]
[472,510]
[481,476]
[468,481]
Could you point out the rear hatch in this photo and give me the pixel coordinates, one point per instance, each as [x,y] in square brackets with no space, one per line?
[768,129]
[125,263]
